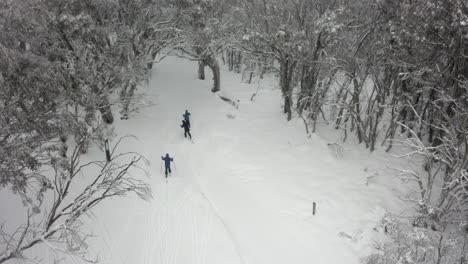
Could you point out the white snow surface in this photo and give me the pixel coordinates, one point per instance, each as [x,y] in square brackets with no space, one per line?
[242,191]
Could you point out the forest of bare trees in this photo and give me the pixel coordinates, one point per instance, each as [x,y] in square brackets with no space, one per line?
[388,73]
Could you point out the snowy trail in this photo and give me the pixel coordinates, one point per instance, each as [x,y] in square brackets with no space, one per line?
[179,225]
[242,192]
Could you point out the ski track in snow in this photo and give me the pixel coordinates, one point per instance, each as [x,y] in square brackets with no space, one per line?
[242,190]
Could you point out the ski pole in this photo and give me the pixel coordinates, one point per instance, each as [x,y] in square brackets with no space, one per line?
[175,167]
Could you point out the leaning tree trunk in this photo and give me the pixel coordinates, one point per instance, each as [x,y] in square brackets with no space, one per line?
[214,66]
[153,55]
[201,70]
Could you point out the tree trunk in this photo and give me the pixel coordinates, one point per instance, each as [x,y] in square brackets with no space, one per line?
[104,105]
[250,77]
[357,106]
[286,71]
[263,63]
[214,66]
[106,114]
[310,74]
[237,66]
[342,108]
[307,89]
[126,97]
[201,70]
[105,110]
[63,145]
[230,55]
[153,52]
[223,58]
[153,55]
[287,106]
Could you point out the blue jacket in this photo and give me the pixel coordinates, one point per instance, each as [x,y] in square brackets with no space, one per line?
[167,161]
[186,116]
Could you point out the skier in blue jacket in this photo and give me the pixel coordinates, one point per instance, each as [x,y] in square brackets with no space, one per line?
[167,163]
[187,117]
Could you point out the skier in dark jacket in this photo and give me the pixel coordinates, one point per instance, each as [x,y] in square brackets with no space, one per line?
[167,163]
[187,117]
[186,127]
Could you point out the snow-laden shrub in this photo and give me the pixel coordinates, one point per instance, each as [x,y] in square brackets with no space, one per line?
[390,225]
[415,245]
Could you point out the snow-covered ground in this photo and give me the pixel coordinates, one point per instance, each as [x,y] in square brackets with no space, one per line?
[242,191]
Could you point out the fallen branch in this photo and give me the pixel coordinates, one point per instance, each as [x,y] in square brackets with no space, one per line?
[230,101]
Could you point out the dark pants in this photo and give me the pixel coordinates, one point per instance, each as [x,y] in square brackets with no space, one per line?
[167,169]
[188,123]
[187,131]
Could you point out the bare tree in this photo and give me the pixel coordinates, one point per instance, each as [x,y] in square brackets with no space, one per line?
[55,218]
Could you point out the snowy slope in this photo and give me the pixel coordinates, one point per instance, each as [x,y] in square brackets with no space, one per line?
[242,192]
